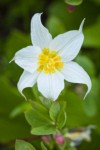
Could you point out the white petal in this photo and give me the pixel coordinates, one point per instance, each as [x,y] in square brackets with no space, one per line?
[39,34]
[27,58]
[27,80]
[50,85]
[68,44]
[76,74]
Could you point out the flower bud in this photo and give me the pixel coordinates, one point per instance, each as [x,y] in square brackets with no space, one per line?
[70,8]
[59,139]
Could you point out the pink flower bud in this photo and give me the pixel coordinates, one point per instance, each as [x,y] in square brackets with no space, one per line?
[59,139]
[70,8]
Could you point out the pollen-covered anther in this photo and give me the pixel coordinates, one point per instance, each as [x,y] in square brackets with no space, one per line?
[49,61]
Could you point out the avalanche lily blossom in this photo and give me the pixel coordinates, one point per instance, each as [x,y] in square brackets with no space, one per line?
[50,61]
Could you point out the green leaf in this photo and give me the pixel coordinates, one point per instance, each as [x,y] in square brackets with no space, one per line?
[74,2]
[39,119]
[22,145]
[20,109]
[45,102]
[61,119]
[38,115]
[37,106]
[36,118]
[43,146]
[35,91]
[44,130]
[54,110]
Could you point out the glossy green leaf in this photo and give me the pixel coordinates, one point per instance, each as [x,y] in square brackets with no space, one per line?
[74,2]
[39,120]
[36,119]
[54,110]
[22,145]
[44,130]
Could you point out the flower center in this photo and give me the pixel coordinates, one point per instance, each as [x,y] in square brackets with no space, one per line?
[49,61]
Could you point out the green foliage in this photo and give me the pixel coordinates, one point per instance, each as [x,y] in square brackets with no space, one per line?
[45,102]
[87,64]
[54,110]
[74,2]
[38,106]
[96,1]
[45,121]
[61,119]
[94,30]
[20,109]
[70,148]
[43,146]
[43,130]
[55,25]
[38,118]
[90,105]
[22,40]
[10,129]
[22,145]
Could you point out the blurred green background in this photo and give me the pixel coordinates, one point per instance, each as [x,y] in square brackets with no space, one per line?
[15,19]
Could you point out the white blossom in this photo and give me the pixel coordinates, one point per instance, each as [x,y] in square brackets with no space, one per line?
[48,62]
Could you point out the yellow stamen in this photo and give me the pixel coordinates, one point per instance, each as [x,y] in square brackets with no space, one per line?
[49,61]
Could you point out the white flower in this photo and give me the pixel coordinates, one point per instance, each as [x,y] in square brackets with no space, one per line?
[49,61]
